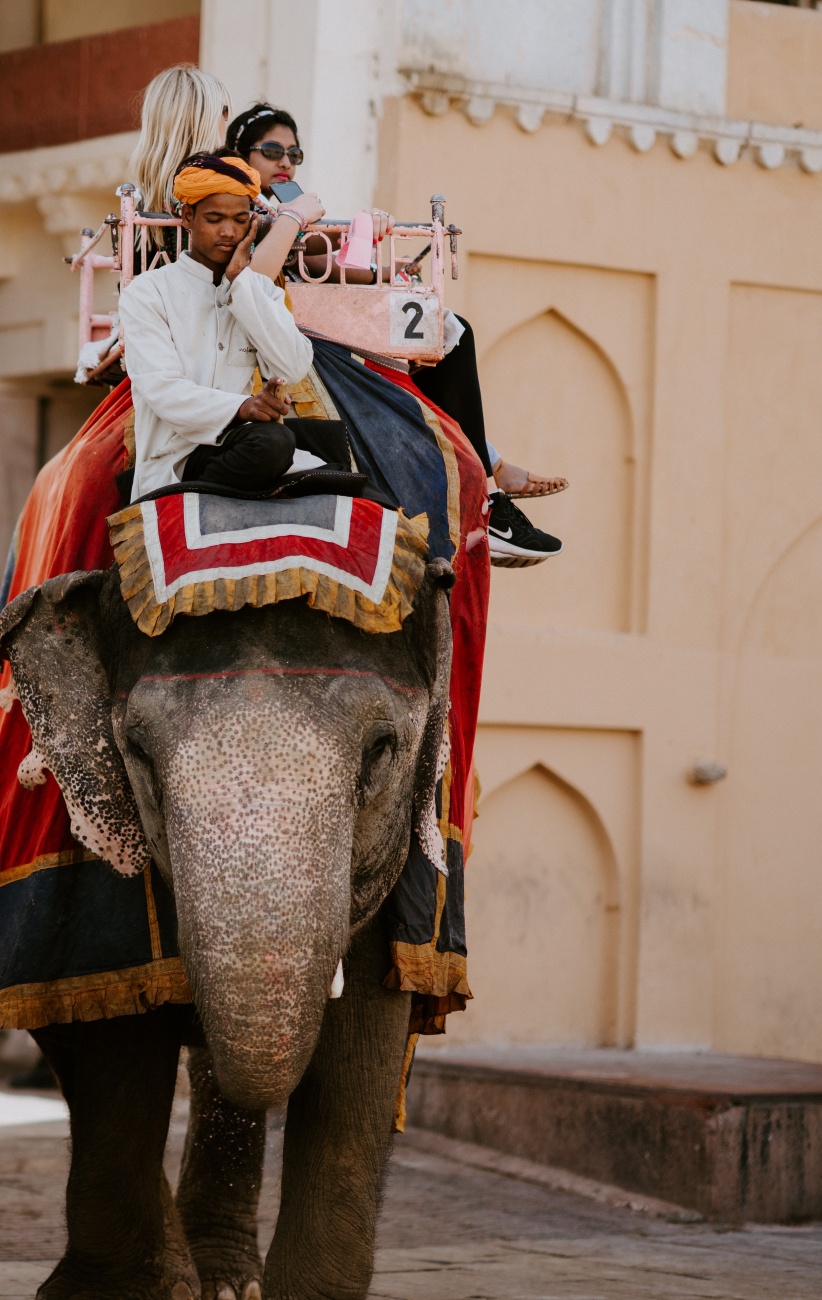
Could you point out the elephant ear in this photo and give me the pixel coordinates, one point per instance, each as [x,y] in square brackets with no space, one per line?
[432,637]
[51,635]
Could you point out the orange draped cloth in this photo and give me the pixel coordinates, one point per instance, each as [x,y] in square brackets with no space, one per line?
[62,528]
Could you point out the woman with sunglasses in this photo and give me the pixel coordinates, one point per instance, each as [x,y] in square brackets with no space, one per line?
[268,138]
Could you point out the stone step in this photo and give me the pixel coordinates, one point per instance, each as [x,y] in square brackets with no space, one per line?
[738,1139]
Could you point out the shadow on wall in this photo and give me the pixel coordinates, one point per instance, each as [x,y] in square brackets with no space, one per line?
[769,985]
[542,915]
[555,403]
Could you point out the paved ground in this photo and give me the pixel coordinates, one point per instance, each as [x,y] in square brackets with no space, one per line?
[451,1231]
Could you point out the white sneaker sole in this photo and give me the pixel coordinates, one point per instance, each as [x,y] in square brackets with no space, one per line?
[505,555]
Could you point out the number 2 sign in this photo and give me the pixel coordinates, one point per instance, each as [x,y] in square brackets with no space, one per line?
[415,320]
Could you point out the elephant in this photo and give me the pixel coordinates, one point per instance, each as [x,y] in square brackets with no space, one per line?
[272,763]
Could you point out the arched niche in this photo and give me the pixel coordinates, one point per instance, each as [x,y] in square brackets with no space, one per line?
[542,916]
[769,947]
[554,402]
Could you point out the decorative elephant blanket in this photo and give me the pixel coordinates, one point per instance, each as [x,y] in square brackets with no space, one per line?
[79,941]
[193,553]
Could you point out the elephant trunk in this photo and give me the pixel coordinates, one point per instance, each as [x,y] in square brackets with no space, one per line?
[260,837]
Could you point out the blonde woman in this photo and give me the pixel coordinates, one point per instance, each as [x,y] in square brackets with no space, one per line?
[185,111]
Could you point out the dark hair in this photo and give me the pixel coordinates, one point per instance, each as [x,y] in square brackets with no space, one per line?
[248,128]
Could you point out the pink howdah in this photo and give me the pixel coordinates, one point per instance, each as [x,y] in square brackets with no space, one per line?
[396,317]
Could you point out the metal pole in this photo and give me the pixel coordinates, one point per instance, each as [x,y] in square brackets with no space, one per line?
[127,241]
[86,290]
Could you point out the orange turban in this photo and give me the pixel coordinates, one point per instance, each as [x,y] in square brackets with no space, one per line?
[205,175]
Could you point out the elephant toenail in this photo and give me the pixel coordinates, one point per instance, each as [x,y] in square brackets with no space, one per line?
[181,1291]
[225,1292]
[252,1292]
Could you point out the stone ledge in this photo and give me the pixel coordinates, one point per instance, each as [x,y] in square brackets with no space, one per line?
[733,1138]
[528,1171]
[642,124]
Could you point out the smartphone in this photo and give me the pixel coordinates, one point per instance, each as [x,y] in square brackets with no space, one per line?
[285,191]
[265,220]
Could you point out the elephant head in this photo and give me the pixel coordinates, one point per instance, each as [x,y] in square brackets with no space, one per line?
[271,762]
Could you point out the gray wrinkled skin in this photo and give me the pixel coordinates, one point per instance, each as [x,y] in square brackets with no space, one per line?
[63,640]
[271,763]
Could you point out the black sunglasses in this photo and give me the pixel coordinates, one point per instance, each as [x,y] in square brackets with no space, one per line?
[274,152]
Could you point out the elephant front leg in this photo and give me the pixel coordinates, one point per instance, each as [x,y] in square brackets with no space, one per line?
[219,1190]
[118,1077]
[338,1135]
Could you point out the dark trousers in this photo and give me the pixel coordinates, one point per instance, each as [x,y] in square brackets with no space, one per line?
[453,384]
[250,458]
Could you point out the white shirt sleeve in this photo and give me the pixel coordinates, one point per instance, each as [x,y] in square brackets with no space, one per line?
[195,413]
[258,305]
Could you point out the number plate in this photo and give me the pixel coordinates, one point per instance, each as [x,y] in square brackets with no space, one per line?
[415,320]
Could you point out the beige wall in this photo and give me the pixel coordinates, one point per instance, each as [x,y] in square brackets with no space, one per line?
[38,347]
[63,20]
[651,328]
[19,24]
[32,22]
[37,418]
[775,64]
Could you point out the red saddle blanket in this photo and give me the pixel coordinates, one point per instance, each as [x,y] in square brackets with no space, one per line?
[76,943]
[192,553]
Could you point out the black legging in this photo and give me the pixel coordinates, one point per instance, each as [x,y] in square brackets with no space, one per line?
[453,384]
[250,458]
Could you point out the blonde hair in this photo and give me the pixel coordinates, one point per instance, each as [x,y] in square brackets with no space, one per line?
[181,115]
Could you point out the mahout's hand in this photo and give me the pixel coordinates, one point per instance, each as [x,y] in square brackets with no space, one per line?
[271,403]
[242,253]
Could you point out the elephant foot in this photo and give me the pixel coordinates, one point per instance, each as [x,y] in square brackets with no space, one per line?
[69,1283]
[228,1271]
[216,1290]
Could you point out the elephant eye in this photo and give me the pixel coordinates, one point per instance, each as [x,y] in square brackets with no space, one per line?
[137,746]
[378,755]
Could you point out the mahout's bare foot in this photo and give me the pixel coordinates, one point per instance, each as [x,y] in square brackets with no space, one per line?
[518,482]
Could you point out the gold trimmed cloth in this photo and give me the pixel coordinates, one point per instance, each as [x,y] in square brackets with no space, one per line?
[194,553]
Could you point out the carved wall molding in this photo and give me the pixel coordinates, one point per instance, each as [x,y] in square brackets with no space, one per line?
[686,134]
[65,170]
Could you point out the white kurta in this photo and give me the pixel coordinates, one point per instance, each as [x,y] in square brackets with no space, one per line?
[191,351]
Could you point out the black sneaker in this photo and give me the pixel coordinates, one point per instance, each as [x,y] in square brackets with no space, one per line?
[513,540]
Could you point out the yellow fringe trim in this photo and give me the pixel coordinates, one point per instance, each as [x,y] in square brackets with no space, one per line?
[324,593]
[312,400]
[128,439]
[439,980]
[400,1113]
[94,997]
[47,861]
[420,968]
